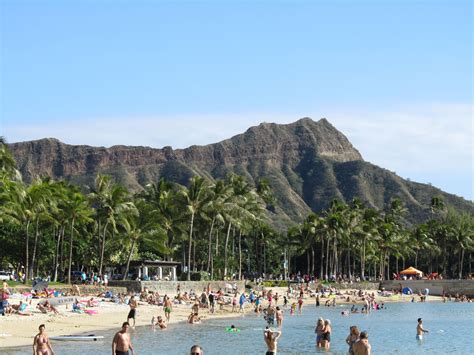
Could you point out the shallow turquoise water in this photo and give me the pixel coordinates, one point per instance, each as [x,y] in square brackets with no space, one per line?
[391,331]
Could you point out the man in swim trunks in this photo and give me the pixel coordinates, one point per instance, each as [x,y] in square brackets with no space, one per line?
[41,344]
[362,347]
[133,310]
[167,307]
[420,330]
[121,345]
[271,339]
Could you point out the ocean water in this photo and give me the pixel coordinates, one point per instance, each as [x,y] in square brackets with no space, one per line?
[391,331]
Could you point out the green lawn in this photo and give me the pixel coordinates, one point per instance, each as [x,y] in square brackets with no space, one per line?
[30,284]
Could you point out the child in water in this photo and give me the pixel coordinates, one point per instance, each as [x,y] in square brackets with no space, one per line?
[293,308]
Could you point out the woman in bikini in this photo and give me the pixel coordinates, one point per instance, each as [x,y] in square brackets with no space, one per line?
[326,336]
[319,332]
[41,344]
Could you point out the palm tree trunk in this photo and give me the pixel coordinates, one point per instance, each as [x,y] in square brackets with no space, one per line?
[33,257]
[240,255]
[225,249]
[327,258]
[209,246]
[313,269]
[194,255]
[308,266]
[27,255]
[190,244]
[102,249]
[461,263]
[128,259]
[56,257]
[71,237]
[321,271]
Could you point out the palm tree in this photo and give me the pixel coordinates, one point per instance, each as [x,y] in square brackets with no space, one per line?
[112,203]
[7,162]
[195,197]
[78,211]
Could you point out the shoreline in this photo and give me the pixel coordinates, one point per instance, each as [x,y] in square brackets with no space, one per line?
[20,330]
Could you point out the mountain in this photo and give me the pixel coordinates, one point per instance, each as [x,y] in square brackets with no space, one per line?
[307,163]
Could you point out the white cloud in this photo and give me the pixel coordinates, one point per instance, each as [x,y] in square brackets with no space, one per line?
[422,141]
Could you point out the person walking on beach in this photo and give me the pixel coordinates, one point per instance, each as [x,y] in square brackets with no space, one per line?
[167,307]
[317,300]
[242,302]
[271,339]
[121,345]
[133,310]
[420,330]
[41,344]
[362,347]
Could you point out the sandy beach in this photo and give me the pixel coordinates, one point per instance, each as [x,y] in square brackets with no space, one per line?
[17,330]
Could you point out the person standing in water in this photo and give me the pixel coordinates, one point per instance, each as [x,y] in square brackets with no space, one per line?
[420,330]
[300,305]
[279,317]
[41,344]
[362,347]
[326,336]
[317,300]
[352,338]
[121,345]
[271,339]
[319,332]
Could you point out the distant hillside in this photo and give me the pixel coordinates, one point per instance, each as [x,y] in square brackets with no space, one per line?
[308,164]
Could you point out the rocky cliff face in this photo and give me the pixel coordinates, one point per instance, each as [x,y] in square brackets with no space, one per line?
[308,164]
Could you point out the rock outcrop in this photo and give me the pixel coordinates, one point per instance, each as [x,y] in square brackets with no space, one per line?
[308,164]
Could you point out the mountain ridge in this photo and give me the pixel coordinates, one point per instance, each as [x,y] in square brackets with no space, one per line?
[308,163]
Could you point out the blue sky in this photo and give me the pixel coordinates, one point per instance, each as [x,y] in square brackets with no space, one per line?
[394,76]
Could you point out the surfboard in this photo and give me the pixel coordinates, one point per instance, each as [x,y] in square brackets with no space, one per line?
[91,337]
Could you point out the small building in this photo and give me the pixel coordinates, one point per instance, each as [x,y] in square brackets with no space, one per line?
[153,270]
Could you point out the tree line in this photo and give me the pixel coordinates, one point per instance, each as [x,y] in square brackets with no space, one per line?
[222,228]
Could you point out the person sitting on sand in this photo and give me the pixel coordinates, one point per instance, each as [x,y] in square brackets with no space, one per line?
[75,291]
[41,344]
[271,339]
[20,309]
[193,318]
[46,307]
[161,323]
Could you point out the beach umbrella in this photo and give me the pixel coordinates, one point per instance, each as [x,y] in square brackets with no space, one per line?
[39,285]
[411,271]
